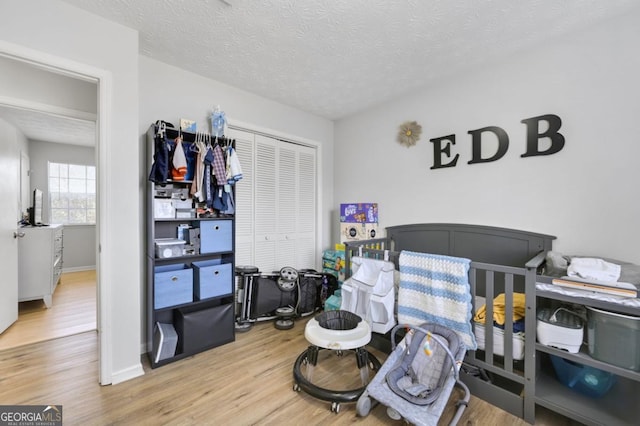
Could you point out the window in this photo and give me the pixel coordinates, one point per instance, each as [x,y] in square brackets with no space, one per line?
[72,194]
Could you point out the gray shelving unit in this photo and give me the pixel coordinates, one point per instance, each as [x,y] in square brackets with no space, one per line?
[619,406]
[190,295]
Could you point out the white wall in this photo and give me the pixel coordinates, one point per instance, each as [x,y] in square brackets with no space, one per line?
[26,82]
[586,195]
[79,240]
[65,32]
[14,138]
[170,93]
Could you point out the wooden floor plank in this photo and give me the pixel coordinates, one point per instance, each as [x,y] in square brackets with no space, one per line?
[246,382]
[73,311]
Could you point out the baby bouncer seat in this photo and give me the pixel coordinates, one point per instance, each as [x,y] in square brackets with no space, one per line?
[416,381]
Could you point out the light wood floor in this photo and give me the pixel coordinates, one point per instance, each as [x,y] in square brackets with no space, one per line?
[246,382]
[73,311]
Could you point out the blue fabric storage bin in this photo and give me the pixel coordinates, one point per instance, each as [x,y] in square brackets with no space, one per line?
[212,278]
[216,236]
[173,285]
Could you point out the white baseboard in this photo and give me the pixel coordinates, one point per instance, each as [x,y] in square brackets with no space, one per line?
[127,374]
[79,268]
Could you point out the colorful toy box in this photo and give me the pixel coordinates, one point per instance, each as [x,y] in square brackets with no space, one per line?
[333,262]
[358,221]
[359,213]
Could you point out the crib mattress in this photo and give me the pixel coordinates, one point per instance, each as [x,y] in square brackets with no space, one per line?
[498,341]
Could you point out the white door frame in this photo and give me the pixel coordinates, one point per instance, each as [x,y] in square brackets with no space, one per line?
[103,79]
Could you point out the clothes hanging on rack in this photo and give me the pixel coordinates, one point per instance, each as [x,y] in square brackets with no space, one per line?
[196,186]
[219,168]
[220,199]
[160,168]
[191,155]
[234,171]
[231,205]
[212,166]
[208,190]
[179,170]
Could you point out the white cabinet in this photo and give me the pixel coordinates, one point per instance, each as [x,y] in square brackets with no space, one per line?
[40,262]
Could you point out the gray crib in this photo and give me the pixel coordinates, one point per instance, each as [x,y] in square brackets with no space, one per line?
[503,261]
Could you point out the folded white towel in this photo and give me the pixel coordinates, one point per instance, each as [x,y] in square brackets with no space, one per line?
[593,269]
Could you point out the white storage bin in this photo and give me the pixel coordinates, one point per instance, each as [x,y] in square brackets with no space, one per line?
[163,209]
[169,247]
[165,340]
[560,328]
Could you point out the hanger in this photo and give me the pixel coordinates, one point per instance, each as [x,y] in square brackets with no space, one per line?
[195,146]
[162,128]
[178,139]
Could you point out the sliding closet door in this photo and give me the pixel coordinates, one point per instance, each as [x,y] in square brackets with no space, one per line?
[244,198]
[266,204]
[306,207]
[287,198]
[276,203]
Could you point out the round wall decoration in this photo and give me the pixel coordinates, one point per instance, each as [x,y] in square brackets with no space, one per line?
[409,133]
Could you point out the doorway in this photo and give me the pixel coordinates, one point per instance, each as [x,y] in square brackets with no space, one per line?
[59,69]
[73,311]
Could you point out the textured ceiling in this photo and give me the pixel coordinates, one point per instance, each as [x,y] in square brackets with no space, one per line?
[41,126]
[335,58]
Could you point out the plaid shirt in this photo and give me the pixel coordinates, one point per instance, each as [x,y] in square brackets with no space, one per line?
[219,167]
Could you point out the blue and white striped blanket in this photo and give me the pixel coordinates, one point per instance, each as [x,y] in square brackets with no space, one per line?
[435,288]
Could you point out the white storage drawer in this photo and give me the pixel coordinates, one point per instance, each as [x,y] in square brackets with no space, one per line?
[40,258]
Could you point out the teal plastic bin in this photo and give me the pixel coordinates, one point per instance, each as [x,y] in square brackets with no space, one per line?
[581,378]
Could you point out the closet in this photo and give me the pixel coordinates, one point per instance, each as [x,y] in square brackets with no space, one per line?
[276,220]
